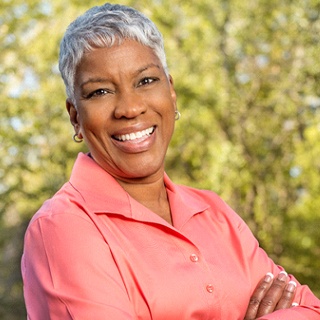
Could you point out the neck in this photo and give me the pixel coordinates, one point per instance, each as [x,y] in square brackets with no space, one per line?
[152,195]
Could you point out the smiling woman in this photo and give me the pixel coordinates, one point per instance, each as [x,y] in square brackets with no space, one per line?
[120,240]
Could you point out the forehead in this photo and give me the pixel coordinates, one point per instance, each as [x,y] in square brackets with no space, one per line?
[127,56]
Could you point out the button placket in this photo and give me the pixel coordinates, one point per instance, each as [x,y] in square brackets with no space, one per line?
[194,258]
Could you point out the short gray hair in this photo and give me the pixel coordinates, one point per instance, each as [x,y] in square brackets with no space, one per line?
[102,26]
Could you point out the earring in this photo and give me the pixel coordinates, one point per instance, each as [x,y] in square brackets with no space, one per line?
[177,115]
[76,138]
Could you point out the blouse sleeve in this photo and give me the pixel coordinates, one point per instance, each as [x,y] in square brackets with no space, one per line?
[69,272]
[308,304]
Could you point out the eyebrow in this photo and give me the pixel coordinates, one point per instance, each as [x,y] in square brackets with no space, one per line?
[136,73]
[148,66]
[93,80]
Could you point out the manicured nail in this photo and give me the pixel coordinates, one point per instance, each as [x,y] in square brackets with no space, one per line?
[291,286]
[295,304]
[282,275]
[269,277]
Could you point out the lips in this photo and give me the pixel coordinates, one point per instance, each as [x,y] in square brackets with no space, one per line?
[134,135]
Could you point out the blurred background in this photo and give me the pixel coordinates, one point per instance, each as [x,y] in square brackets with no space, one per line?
[247,75]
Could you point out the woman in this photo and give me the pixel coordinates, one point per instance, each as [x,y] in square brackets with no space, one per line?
[120,240]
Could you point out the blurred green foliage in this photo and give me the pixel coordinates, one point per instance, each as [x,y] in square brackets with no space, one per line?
[247,75]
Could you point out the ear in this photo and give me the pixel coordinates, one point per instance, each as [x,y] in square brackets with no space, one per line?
[74,117]
[172,91]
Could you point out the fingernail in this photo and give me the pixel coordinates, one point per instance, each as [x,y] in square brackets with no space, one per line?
[282,275]
[269,277]
[291,286]
[295,304]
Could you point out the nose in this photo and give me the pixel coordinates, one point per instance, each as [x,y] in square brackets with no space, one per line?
[129,105]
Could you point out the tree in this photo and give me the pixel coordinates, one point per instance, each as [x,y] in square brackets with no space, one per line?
[250,101]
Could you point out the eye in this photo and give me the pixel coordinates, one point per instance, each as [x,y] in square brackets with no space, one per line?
[146,81]
[98,93]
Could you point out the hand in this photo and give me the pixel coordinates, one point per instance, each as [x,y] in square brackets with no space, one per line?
[271,295]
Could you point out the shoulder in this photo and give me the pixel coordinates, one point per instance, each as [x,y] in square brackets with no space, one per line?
[67,201]
[202,195]
[217,207]
[63,223]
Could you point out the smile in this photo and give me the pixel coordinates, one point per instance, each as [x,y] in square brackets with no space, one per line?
[134,135]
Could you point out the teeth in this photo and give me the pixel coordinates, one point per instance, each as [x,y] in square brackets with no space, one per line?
[135,135]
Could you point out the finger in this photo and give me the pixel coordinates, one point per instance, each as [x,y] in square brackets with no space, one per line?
[274,294]
[287,296]
[258,294]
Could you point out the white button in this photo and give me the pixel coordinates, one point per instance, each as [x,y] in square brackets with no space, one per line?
[209,288]
[194,257]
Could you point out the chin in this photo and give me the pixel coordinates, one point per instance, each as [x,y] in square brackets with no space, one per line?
[144,172]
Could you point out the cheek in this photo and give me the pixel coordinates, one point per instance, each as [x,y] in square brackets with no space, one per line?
[92,119]
[165,103]
[169,122]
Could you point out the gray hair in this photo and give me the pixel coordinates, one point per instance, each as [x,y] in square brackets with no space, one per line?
[102,26]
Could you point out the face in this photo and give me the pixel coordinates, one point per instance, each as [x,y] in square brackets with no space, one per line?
[124,110]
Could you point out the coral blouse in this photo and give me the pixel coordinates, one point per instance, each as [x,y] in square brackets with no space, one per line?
[93,252]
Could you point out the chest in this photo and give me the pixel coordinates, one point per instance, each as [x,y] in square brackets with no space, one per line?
[194,273]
